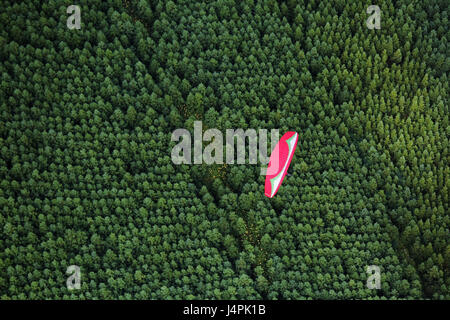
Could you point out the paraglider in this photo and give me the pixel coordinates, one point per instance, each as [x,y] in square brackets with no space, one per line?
[280,159]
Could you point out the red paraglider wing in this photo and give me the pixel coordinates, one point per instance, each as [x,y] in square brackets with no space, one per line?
[280,159]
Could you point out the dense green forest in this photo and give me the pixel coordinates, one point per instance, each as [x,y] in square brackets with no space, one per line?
[86,176]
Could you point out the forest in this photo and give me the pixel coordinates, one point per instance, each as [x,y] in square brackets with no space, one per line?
[86,176]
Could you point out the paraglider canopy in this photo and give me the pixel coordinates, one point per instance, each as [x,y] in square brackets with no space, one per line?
[280,159]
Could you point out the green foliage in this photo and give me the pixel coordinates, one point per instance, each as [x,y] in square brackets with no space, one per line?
[85,171]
